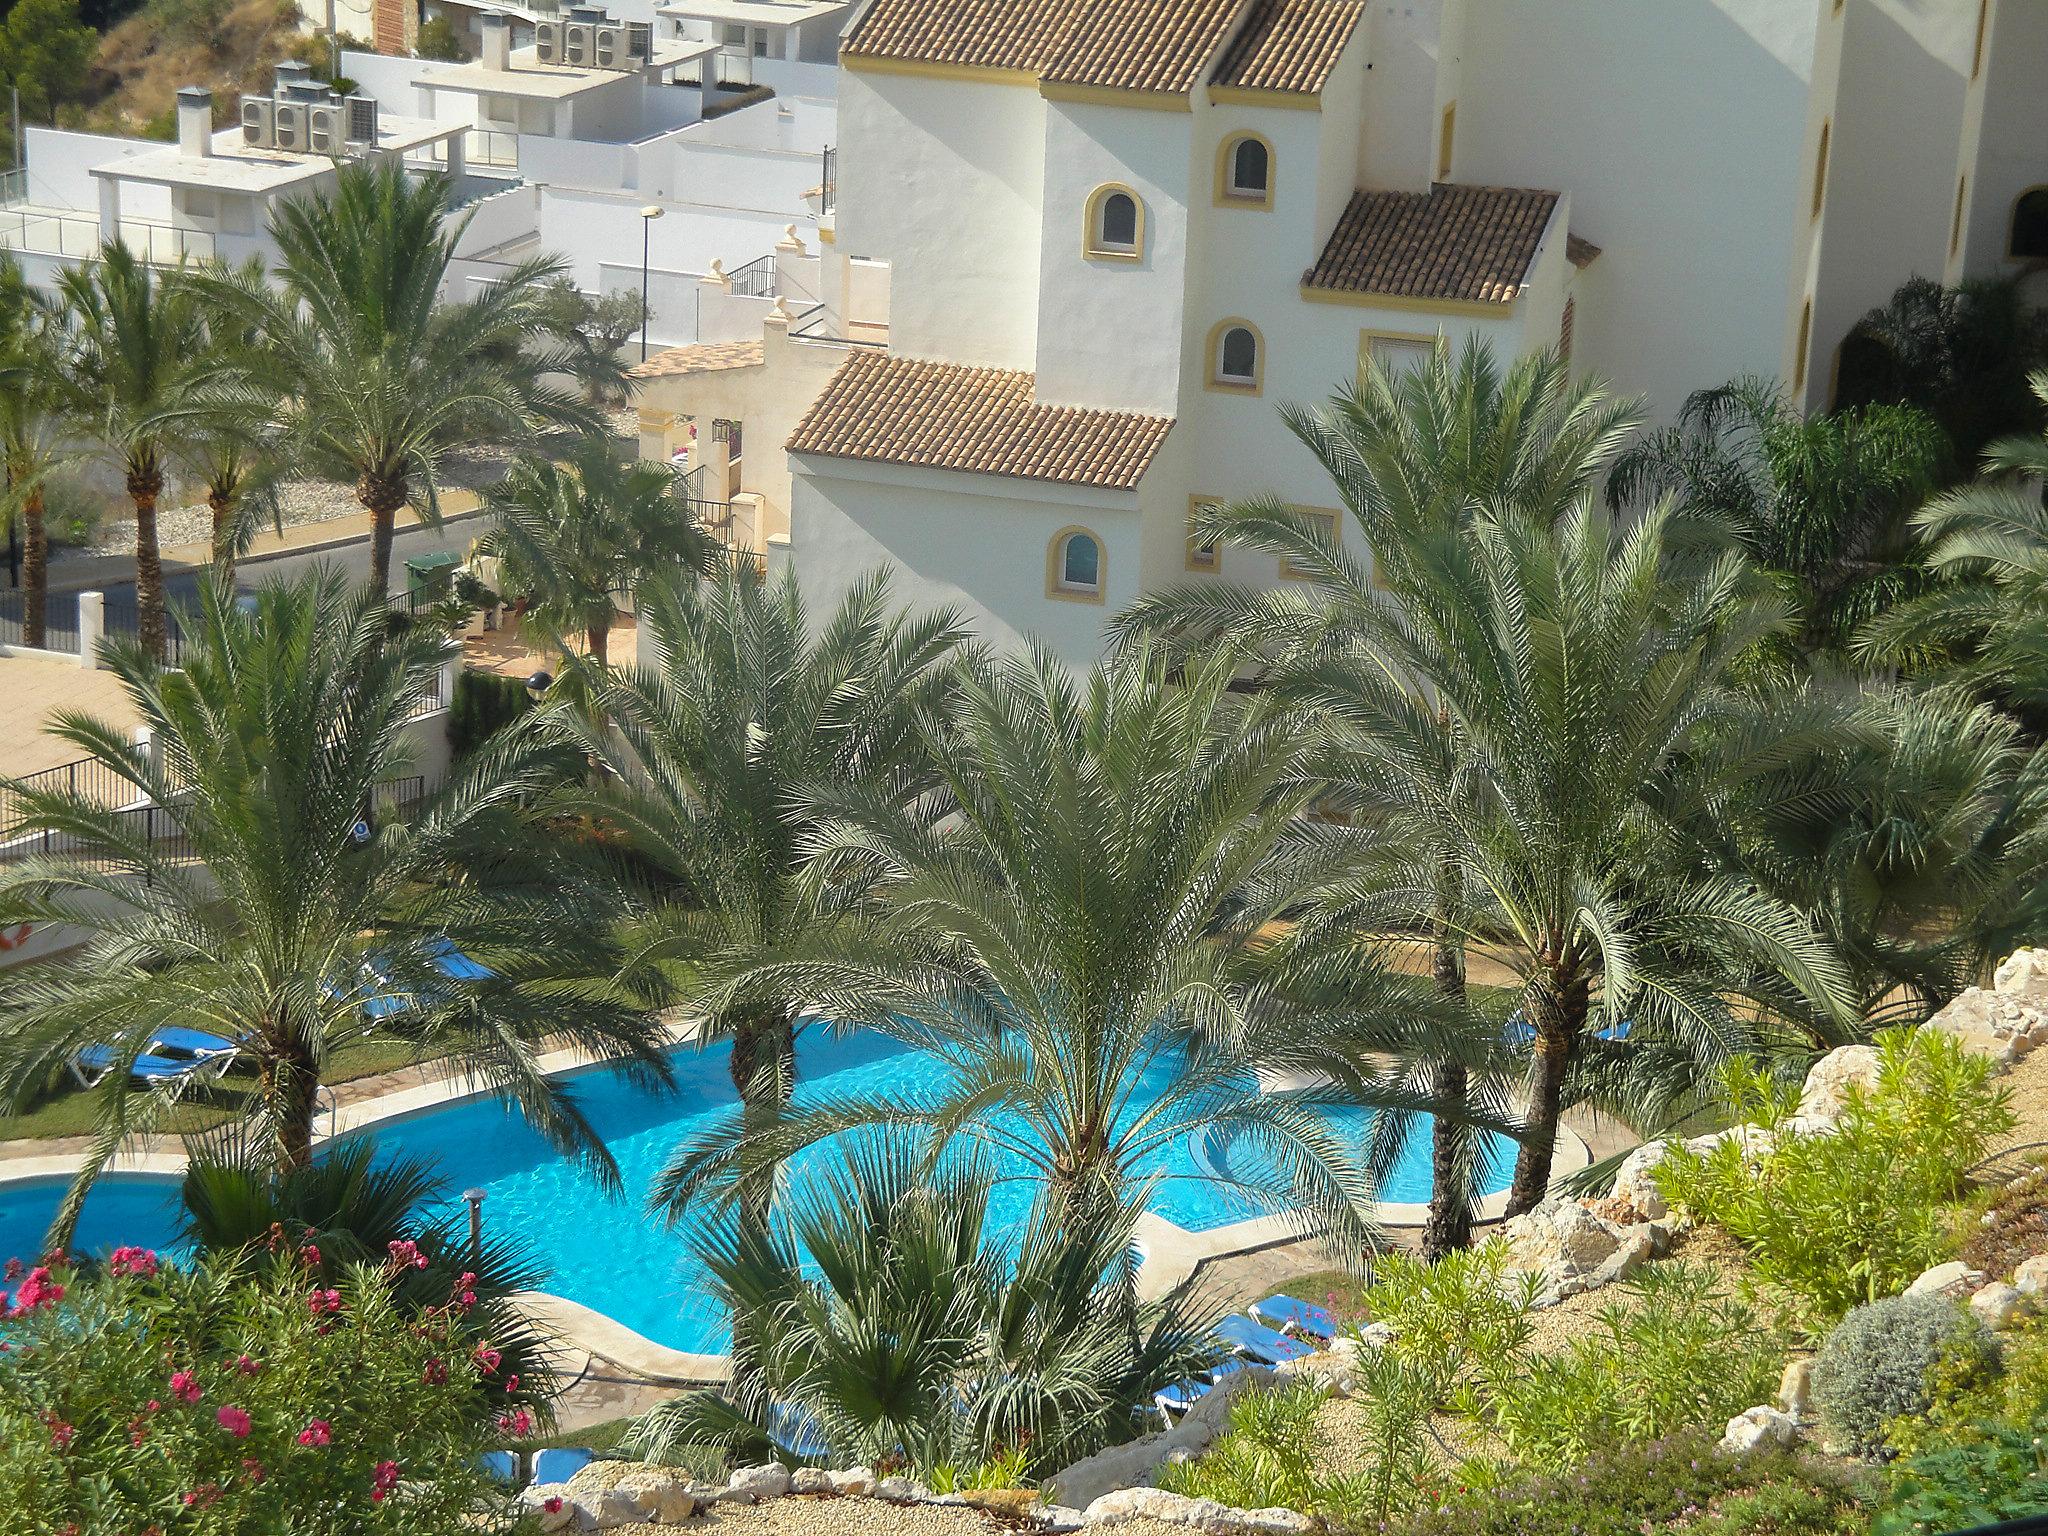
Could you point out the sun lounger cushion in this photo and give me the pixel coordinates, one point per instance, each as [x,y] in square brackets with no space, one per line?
[1260,1342]
[1291,1315]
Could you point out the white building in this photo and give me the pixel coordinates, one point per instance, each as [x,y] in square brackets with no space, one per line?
[1076,254]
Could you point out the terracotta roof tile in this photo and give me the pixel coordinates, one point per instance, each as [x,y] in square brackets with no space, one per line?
[705,357]
[899,410]
[1140,45]
[1451,242]
[1580,251]
[1289,45]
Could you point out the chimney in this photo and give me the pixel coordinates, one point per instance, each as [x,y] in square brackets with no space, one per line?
[497,44]
[291,73]
[195,121]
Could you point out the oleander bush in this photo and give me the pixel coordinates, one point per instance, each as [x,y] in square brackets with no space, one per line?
[1854,1214]
[1879,1363]
[244,1399]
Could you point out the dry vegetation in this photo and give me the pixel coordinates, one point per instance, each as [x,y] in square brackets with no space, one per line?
[227,47]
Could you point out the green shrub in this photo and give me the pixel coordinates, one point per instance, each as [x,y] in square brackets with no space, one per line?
[1464,1310]
[1272,1453]
[1682,1484]
[484,704]
[1675,1354]
[1853,1215]
[1874,1367]
[1998,1474]
[438,39]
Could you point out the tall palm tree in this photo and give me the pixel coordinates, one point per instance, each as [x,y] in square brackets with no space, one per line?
[1986,624]
[32,361]
[292,895]
[368,376]
[1416,459]
[135,374]
[571,535]
[232,452]
[1073,926]
[739,711]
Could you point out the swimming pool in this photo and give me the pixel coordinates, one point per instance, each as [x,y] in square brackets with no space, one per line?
[604,1250]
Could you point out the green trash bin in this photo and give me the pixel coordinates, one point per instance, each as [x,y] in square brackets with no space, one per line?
[431,573]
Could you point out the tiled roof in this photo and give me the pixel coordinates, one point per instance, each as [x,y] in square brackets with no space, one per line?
[706,357]
[1139,45]
[1580,251]
[985,421]
[1289,45]
[1469,243]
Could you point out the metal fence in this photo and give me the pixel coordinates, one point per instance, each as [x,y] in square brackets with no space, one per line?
[60,621]
[88,778]
[756,280]
[829,184]
[123,621]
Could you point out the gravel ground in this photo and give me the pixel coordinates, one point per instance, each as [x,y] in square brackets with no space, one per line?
[2028,1084]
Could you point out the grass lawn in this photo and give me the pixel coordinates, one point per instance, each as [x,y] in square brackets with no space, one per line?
[69,1112]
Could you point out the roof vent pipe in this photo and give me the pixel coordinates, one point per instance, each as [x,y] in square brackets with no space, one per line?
[195,121]
[496,52]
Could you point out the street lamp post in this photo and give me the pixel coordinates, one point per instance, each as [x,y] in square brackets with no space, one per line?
[648,214]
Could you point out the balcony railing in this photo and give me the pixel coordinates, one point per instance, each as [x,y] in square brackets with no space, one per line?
[491,147]
[829,182]
[77,237]
[756,280]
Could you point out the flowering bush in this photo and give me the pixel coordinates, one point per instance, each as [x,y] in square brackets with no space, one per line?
[243,1398]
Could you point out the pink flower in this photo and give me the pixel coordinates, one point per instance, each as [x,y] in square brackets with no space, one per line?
[309,1253]
[252,1469]
[323,1301]
[512,1382]
[139,1262]
[246,1366]
[13,1270]
[138,1430]
[436,1373]
[204,1496]
[405,1254]
[38,1290]
[468,1298]
[61,1433]
[234,1421]
[518,1423]
[487,1360]
[383,1480]
[316,1433]
[185,1387]
[552,1504]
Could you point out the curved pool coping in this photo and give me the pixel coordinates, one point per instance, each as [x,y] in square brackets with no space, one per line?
[1171,1253]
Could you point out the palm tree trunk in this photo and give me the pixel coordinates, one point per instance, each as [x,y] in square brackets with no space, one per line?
[223,504]
[1555,1006]
[35,569]
[763,1070]
[381,496]
[144,486]
[288,1088]
[1449,1226]
[599,640]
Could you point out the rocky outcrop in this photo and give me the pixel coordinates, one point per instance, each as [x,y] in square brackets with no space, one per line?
[1757,1426]
[1202,1514]
[1570,1247]
[2008,1019]
[1826,1092]
[1997,1306]
[1133,1463]
[1954,1280]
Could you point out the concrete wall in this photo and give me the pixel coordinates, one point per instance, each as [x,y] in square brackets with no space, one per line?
[60,172]
[2004,151]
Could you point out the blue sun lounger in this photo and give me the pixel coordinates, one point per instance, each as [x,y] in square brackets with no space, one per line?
[1294,1316]
[500,1467]
[196,1052]
[795,1431]
[199,1044]
[454,964]
[1263,1344]
[558,1466]
[1520,1031]
[1183,1395]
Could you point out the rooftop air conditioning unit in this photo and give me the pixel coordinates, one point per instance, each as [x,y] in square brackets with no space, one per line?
[362,119]
[609,46]
[326,126]
[578,45]
[547,41]
[290,117]
[640,42]
[259,122]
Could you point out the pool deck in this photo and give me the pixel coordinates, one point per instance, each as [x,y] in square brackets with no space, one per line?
[1172,1254]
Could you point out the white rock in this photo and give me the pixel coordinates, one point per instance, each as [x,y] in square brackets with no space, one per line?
[750,1485]
[1560,1239]
[1282,1522]
[854,1481]
[1997,1305]
[1795,1390]
[811,1480]
[903,1490]
[2031,1278]
[1990,1025]
[1758,1426]
[1828,1082]
[1634,1184]
[670,1496]
[622,1505]
[2023,976]
[1150,1504]
[1376,1335]
[1057,1517]
[1954,1279]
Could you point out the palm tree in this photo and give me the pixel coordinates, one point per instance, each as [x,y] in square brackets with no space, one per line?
[31,430]
[135,374]
[1073,925]
[368,377]
[1417,459]
[1823,501]
[232,452]
[737,712]
[292,895]
[1986,624]
[572,535]
[883,1315]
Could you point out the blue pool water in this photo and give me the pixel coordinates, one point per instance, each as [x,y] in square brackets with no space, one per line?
[604,1250]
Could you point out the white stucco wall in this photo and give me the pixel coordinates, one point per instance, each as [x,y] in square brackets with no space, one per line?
[1678,130]
[1398,140]
[944,180]
[60,165]
[973,542]
[2005,139]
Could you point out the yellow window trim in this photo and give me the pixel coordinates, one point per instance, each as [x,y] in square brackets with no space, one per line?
[1404,302]
[1287,571]
[1446,141]
[927,69]
[1820,166]
[1367,337]
[1213,565]
[1212,360]
[1090,251]
[1110,96]
[1804,344]
[1245,96]
[1057,547]
[1226,154]
[1955,227]
[1983,28]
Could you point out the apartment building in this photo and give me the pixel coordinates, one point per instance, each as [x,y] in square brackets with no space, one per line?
[1078,252]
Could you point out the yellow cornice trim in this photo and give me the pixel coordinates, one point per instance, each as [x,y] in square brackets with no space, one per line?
[1403,301]
[1111,96]
[929,69]
[1245,96]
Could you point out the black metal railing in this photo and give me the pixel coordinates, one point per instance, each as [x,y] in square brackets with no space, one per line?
[60,621]
[88,778]
[829,183]
[122,621]
[756,280]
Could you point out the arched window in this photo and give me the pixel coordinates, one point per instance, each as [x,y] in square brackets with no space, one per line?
[2029,240]
[1236,356]
[1116,224]
[1244,172]
[1076,566]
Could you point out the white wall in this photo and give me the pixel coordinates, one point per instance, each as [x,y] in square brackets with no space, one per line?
[1399,135]
[390,80]
[1677,128]
[944,180]
[60,172]
[2005,149]
[975,542]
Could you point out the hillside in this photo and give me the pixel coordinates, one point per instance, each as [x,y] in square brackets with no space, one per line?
[227,47]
